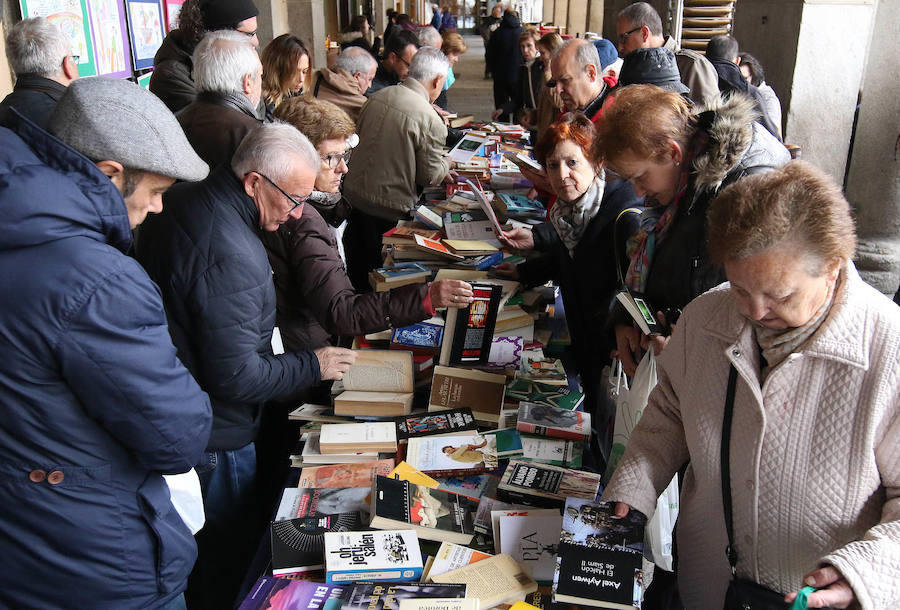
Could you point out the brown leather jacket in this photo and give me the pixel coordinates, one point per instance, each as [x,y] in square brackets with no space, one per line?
[315,300]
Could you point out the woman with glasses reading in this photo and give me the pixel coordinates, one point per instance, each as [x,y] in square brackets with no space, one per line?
[317,304]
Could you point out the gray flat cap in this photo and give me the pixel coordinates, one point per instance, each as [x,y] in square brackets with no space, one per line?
[110,119]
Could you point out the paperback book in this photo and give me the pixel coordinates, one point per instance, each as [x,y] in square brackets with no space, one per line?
[345,475]
[553,451]
[319,502]
[363,436]
[379,382]
[419,338]
[273,593]
[431,513]
[389,595]
[452,455]
[543,370]
[430,424]
[440,604]
[544,485]
[543,394]
[468,332]
[377,555]
[642,312]
[509,442]
[519,206]
[312,453]
[452,556]
[542,420]
[533,541]
[298,545]
[600,557]
[496,580]
[454,388]
[475,486]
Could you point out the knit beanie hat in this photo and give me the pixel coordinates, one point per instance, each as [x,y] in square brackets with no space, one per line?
[220,14]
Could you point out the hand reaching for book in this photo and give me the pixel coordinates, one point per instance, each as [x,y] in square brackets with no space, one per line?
[450,293]
[519,238]
[628,348]
[334,361]
[833,590]
[507,270]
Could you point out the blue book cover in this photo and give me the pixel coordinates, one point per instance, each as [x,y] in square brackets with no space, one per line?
[422,335]
[519,205]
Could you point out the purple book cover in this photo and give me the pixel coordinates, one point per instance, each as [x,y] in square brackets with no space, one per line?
[272,593]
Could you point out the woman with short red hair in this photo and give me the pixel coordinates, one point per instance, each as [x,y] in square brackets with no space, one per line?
[579,247]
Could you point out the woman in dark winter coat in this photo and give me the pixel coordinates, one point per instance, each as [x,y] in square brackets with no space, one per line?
[578,246]
[679,161]
[531,79]
[316,304]
[504,58]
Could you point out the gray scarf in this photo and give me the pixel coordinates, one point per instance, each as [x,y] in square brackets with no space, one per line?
[571,218]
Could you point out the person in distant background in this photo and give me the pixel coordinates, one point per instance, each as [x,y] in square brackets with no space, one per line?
[504,56]
[448,20]
[44,66]
[358,34]
[399,51]
[550,104]
[488,25]
[453,46]
[531,81]
[173,80]
[345,83]
[753,73]
[285,63]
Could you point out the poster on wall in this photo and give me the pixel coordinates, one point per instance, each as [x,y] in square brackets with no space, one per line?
[70,16]
[145,24]
[173,9]
[113,57]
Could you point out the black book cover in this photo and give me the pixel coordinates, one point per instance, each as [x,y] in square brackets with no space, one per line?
[474,327]
[428,424]
[404,502]
[387,595]
[599,561]
[298,545]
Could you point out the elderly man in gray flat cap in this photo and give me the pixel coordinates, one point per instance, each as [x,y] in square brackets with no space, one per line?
[205,253]
[94,403]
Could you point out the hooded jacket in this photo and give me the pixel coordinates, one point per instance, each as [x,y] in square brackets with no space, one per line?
[204,253]
[173,79]
[504,56]
[340,88]
[736,146]
[94,403]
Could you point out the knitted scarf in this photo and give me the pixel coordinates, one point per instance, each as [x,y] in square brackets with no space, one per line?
[571,218]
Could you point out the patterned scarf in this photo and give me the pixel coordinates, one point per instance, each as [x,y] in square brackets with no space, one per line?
[571,218]
[778,344]
[642,245]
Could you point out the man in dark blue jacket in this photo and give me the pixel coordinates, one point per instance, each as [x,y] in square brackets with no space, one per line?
[39,55]
[206,256]
[94,404]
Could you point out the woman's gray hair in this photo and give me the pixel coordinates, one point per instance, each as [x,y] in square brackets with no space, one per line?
[273,149]
[428,64]
[354,60]
[430,37]
[222,59]
[36,46]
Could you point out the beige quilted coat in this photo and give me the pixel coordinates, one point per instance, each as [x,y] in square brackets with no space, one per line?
[815,455]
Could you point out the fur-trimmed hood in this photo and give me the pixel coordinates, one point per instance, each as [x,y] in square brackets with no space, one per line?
[737,144]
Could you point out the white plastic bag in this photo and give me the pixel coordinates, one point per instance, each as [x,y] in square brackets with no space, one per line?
[187,498]
[630,404]
[658,533]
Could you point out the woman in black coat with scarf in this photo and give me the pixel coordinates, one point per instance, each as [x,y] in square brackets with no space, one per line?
[578,246]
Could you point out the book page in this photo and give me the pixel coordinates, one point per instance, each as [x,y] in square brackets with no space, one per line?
[380,371]
[491,580]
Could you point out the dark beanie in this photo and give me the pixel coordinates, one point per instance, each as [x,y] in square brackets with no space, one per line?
[220,14]
[652,67]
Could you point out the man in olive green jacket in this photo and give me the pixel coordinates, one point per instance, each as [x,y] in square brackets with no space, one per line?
[400,152]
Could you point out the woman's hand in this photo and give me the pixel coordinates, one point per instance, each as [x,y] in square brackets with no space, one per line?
[538,179]
[628,348]
[833,589]
[621,511]
[496,114]
[518,239]
[507,270]
[658,342]
[450,293]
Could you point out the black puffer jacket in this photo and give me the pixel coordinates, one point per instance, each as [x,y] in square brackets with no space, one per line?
[503,53]
[737,146]
[34,97]
[204,253]
[173,80]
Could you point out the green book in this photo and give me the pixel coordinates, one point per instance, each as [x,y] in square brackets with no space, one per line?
[543,394]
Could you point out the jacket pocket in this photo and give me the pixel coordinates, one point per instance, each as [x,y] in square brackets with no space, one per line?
[175,547]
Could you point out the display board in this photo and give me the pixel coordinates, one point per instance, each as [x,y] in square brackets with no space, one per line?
[111,50]
[173,9]
[71,17]
[146,26]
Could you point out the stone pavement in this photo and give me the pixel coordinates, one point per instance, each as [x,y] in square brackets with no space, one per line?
[471,94]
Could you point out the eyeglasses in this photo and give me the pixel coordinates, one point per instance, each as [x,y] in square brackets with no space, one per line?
[248,35]
[297,202]
[403,60]
[624,37]
[334,159]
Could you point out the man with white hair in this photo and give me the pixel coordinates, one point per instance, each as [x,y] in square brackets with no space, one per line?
[228,78]
[205,254]
[400,152]
[430,37]
[346,83]
[44,66]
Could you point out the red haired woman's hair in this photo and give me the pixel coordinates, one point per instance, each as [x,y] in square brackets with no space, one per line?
[571,127]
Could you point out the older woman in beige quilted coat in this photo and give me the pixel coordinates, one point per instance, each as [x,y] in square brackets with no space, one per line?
[815,444]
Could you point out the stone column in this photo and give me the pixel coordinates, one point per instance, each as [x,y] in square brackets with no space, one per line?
[873,186]
[380,8]
[816,67]
[548,10]
[595,16]
[561,13]
[576,20]
[306,19]
[273,21]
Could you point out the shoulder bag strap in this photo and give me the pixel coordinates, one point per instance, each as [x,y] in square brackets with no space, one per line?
[725,466]
[616,242]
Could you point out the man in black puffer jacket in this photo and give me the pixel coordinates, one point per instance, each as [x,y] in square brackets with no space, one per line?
[205,254]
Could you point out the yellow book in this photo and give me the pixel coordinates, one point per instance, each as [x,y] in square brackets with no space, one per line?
[523,606]
[405,472]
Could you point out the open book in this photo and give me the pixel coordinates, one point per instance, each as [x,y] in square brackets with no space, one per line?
[380,382]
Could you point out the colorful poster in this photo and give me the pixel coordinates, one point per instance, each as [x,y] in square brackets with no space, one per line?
[110,38]
[145,23]
[144,80]
[173,9]
[70,16]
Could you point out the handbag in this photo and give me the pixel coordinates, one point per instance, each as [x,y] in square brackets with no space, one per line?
[742,594]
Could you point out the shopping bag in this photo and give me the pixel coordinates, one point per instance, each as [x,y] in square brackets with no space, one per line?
[658,533]
[187,499]
[630,403]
